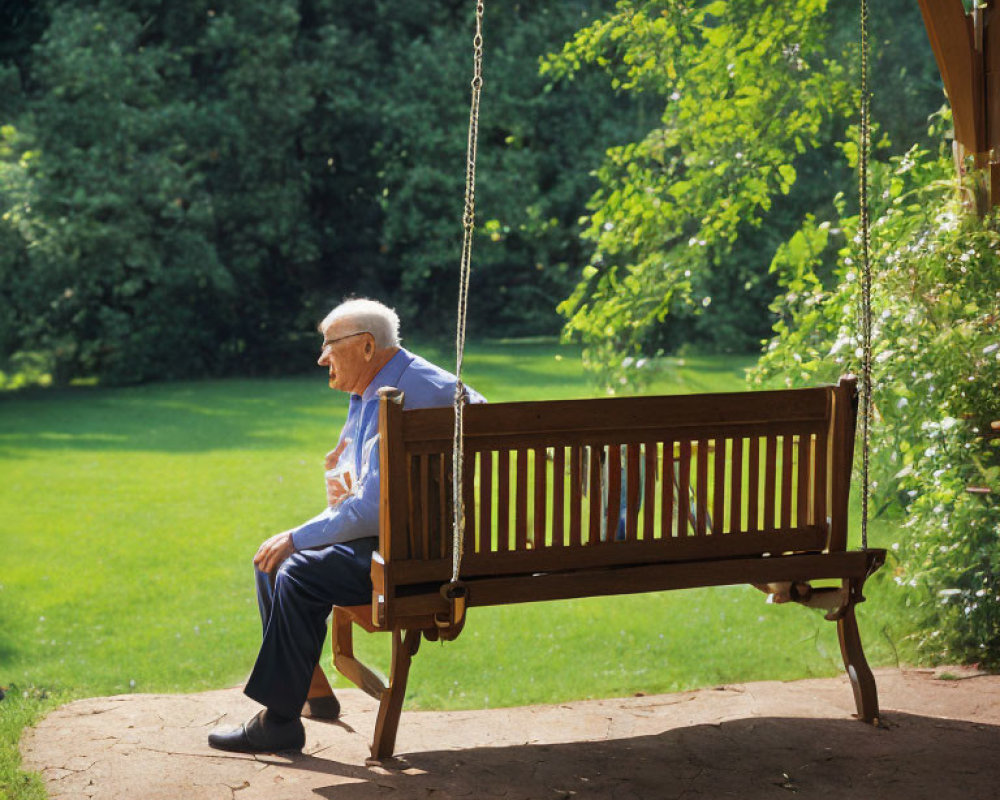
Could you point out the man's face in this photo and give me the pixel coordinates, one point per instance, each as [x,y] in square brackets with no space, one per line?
[344,355]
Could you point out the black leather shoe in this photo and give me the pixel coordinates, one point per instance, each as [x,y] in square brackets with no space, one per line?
[260,736]
[327,707]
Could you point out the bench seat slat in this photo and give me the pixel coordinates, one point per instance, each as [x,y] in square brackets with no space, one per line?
[502,590]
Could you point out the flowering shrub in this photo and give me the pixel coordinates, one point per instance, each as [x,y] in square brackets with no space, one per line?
[936,353]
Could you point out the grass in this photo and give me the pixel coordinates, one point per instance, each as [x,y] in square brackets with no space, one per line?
[131,515]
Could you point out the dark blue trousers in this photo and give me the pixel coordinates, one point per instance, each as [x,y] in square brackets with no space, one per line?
[294,606]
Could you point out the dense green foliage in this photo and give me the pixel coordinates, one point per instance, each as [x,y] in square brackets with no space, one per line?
[186,187]
[936,368]
[749,99]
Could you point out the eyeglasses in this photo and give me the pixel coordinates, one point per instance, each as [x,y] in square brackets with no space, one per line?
[329,343]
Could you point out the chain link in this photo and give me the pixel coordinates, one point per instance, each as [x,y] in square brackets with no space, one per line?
[866,277]
[465,271]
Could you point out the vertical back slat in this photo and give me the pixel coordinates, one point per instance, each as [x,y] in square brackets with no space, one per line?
[521,500]
[633,488]
[425,510]
[485,501]
[415,506]
[595,493]
[802,500]
[770,465]
[576,495]
[558,495]
[719,487]
[753,485]
[503,500]
[444,532]
[787,478]
[649,491]
[736,486]
[613,510]
[667,490]
[541,467]
[701,488]
[683,488]
[469,501]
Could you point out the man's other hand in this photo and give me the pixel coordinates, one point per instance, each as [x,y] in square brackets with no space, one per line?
[275,550]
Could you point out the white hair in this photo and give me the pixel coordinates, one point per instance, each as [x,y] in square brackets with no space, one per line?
[370,316]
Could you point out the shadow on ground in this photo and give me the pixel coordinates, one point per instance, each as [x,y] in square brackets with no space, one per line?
[908,756]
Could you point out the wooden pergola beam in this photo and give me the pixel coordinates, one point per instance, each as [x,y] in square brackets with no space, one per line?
[967,50]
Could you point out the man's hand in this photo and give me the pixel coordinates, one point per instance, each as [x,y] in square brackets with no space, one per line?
[338,488]
[333,457]
[275,550]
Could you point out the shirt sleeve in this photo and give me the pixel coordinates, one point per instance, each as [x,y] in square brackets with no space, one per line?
[355,517]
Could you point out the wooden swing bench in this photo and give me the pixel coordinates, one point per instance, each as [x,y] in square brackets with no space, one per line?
[582,498]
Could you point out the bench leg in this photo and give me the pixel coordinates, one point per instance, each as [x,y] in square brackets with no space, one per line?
[345,662]
[858,671]
[404,647]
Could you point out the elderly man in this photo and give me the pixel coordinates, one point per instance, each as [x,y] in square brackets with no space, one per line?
[303,572]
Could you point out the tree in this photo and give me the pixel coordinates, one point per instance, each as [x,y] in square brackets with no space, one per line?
[187,186]
[745,92]
[153,223]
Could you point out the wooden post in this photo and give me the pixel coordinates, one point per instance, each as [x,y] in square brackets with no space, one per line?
[842,422]
[394,509]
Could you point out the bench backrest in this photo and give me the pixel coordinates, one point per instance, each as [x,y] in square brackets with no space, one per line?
[563,485]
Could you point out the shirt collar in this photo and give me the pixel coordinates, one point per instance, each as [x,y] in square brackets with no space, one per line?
[389,375]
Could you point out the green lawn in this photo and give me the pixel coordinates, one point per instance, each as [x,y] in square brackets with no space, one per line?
[130,517]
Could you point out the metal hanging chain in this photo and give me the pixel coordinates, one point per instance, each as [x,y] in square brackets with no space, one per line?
[465,270]
[866,277]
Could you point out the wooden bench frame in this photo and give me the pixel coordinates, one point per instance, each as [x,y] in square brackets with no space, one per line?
[783,460]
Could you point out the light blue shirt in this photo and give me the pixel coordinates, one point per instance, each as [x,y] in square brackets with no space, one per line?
[356,516]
